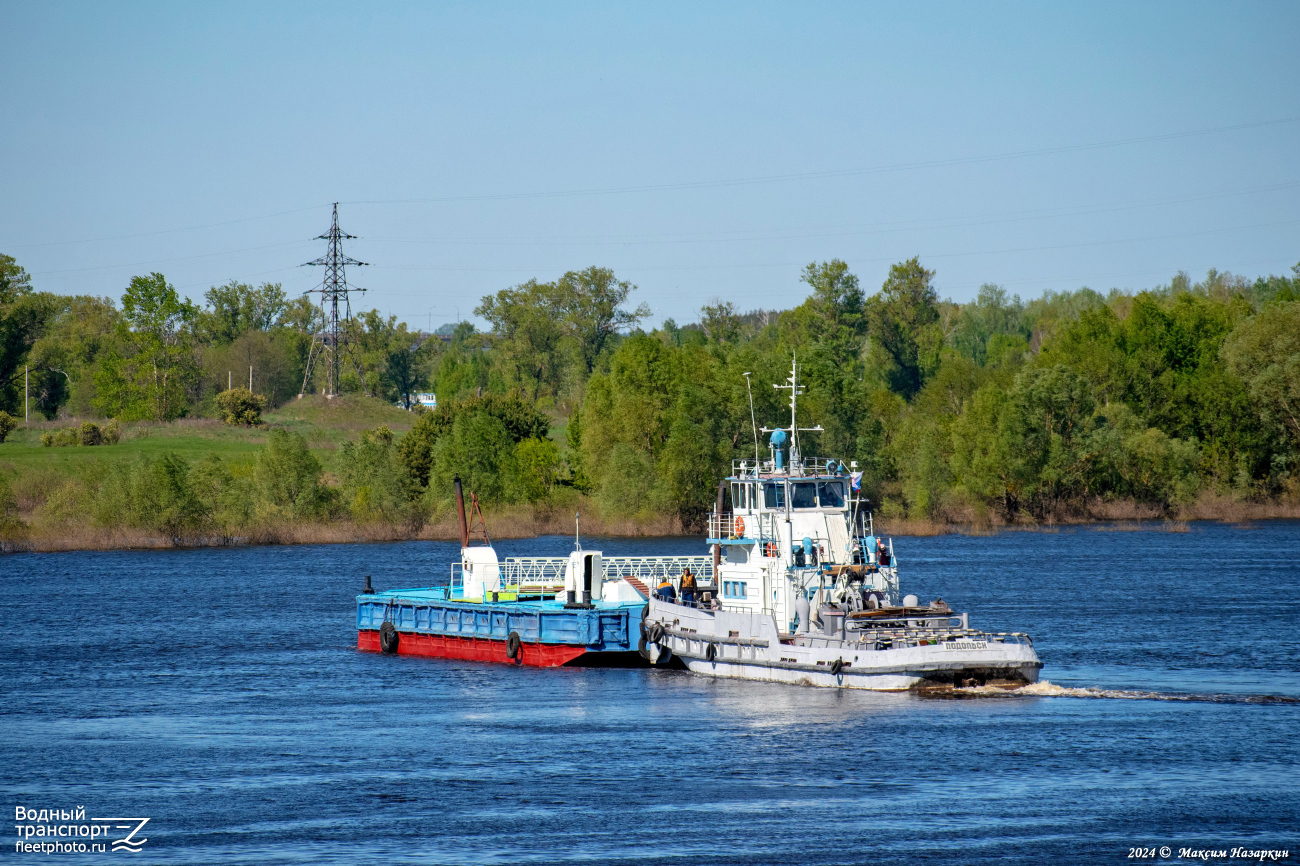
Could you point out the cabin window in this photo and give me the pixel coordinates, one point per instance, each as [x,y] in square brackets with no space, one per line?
[734,589]
[735,497]
[750,498]
[804,495]
[774,494]
[831,494]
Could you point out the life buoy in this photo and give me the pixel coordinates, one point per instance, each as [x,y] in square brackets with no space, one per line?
[388,638]
[836,667]
[513,645]
[738,527]
[711,651]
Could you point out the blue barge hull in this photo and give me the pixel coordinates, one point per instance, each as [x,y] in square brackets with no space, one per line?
[545,633]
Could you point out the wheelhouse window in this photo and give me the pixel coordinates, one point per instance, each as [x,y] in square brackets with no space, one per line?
[830,494]
[774,494]
[804,494]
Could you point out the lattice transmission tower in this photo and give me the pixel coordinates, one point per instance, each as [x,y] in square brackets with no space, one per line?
[333,291]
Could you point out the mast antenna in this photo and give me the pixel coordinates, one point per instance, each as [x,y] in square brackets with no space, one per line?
[333,290]
[752,422]
[792,385]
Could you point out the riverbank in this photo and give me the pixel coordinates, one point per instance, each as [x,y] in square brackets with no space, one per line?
[517,522]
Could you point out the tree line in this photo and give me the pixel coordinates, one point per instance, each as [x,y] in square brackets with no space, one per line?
[1019,410]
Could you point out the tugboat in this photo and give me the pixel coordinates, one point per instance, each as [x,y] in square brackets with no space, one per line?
[810,594]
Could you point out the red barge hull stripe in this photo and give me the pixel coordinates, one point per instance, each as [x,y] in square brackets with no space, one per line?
[472,649]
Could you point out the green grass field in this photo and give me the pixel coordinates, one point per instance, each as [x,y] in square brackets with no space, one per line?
[325,424]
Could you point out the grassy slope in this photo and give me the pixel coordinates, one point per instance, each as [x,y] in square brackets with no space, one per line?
[325,424]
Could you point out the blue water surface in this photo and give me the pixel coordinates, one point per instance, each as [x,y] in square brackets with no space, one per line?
[219,693]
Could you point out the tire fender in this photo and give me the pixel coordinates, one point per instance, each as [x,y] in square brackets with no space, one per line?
[388,638]
[513,645]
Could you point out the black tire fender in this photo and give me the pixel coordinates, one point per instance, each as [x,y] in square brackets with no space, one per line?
[711,652]
[836,667]
[665,655]
[643,648]
[513,645]
[655,633]
[388,638]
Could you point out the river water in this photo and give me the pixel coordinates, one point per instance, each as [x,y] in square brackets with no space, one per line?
[219,694]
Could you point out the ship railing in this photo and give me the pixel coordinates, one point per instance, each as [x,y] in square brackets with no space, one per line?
[656,568]
[533,575]
[807,466]
[722,524]
[545,575]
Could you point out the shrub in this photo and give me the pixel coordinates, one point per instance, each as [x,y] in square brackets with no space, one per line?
[61,438]
[539,467]
[241,406]
[289,478]
[151,494]
[110,433]
[7,424]
[374,483]
[9,520]
[90,434]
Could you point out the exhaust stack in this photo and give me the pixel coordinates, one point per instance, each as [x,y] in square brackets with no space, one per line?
[460,513]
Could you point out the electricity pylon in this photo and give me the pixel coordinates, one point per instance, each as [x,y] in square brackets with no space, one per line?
[333,290]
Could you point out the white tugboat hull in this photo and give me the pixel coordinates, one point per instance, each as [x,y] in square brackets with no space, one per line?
[745,645]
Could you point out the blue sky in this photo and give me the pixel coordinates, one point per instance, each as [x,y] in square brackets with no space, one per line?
[701,150]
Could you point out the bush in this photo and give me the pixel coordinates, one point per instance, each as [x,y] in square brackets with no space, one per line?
[7,424]
[110,433]
[61,438]
[374,483]
[90,434]
[289,478]
[9,520]
[151,494]
[241,406]
[538,462]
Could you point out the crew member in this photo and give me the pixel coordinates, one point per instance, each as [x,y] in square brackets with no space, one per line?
[882,553]
[665,592]
[688,587]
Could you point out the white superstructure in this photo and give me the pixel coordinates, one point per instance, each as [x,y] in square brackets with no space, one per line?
[803,590]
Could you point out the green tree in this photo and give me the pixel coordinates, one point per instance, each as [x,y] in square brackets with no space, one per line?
[592,303]
[290,480]
[519,416]
[480,449]
[374,484]
[24,317]
[154,379]
[238,307]
[538,462]
[903,319]
[991,315]
[1264,352]
[528,321]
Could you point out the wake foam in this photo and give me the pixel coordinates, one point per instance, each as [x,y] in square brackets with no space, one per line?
[1048,689]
